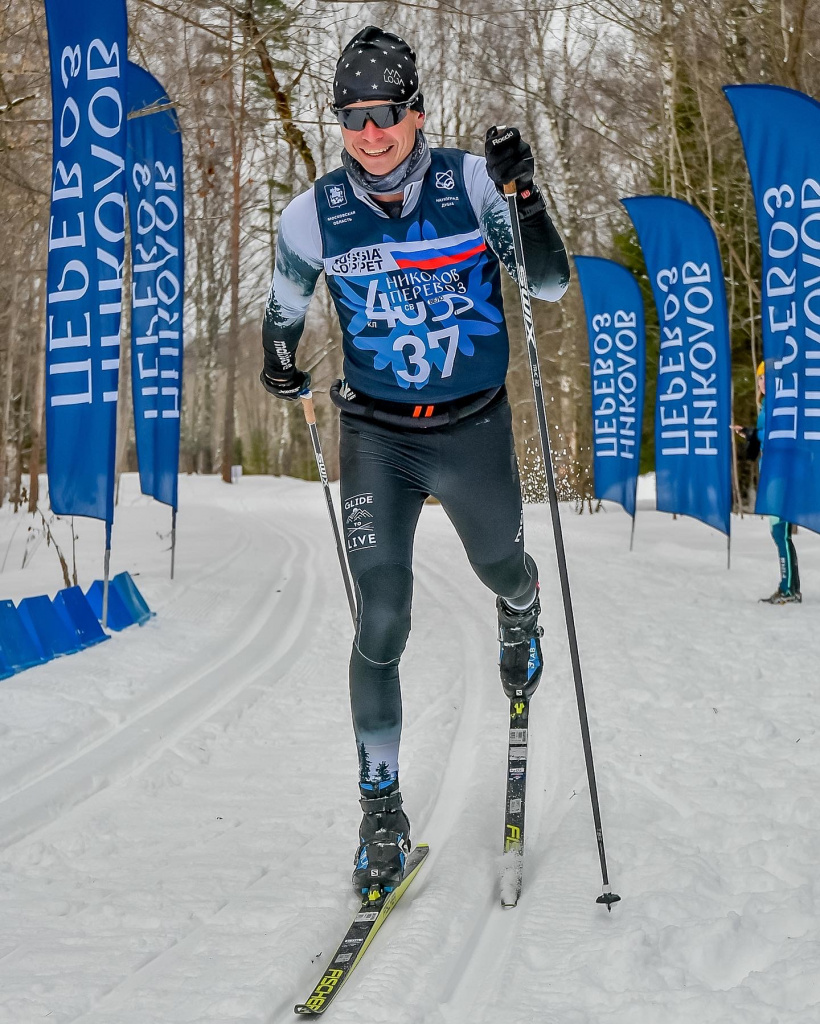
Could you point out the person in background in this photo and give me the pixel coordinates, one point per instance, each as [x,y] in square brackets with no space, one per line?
[788,591]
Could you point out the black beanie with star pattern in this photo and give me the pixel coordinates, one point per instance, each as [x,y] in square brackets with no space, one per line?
[376,65]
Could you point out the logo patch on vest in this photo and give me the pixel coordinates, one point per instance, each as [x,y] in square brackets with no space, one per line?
[390,256]
[357,262]
[444,179]
[336,195]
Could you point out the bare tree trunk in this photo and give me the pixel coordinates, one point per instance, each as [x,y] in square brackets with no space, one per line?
[8,384]
[281,95]
[792,26]
[233,332]
[38,413]
[668,79]
[22,424]
[747,242]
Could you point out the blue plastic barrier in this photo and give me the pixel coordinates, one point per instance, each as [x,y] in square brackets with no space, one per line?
[132,598]
[21,648]
[43,621]
[126,606]
[118,615]
[73,608]
[5,669]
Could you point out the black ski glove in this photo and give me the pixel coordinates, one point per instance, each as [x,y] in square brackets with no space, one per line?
[289,384]
[509,158]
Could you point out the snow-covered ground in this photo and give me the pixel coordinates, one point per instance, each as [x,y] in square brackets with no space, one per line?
[178,806]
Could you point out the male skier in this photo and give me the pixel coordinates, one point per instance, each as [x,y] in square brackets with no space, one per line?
[410,239]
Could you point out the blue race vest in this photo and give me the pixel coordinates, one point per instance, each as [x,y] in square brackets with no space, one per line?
[418,297]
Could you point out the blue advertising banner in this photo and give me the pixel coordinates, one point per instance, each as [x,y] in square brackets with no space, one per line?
[86,248]
[780,129]
[617,368]
[693,406]
[155,204]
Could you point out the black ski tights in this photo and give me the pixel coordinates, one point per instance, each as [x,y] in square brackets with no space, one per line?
[386,474]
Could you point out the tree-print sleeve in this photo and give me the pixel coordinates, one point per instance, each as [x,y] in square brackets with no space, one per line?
[297,269]
[544,252]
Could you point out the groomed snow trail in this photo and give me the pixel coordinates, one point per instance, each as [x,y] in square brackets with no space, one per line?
[178,806]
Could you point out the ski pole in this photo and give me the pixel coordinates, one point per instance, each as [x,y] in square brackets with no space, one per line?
[310,419]
[607,897]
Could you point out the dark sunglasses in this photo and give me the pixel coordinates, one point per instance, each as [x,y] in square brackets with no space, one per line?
[382,116]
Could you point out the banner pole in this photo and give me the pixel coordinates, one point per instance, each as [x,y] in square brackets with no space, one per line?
[106,569]
[728,551]
[73,553]
[632,533]
[173,539]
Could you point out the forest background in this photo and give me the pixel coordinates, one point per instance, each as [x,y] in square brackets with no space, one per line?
[617,98]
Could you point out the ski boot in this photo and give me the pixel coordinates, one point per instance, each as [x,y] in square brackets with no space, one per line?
[519,659]
[384,840]
[783,597]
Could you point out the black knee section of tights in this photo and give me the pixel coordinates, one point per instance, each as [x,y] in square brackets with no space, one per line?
[375,698]
[513,578]
[385,594]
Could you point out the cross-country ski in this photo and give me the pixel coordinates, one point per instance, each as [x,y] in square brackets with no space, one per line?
[369,918]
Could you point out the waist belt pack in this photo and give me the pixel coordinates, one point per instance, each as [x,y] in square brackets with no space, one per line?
[423,416]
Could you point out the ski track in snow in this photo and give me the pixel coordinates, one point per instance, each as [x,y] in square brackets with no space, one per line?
[178,806]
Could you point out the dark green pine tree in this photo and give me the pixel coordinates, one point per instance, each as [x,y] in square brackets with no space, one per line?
[364,764]
[383,773]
